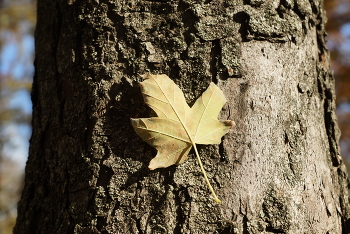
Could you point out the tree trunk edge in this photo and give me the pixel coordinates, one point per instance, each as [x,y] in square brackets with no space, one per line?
[327,90]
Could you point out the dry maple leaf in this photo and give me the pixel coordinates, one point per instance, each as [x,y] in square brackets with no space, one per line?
[179,127]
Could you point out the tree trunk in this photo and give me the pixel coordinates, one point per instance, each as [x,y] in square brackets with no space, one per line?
[277,171]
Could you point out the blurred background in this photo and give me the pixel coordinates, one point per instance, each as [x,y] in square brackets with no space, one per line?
[17,23]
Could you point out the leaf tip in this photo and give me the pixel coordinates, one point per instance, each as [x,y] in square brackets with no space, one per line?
[229,123]
[152,165]
[145,76]
[149,76]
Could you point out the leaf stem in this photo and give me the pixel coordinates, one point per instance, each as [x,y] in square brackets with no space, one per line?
[190,137]
[205,175]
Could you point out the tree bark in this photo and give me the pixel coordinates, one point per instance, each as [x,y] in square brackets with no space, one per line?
[278,171]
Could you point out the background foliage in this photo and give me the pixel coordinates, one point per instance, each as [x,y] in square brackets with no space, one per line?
[17,21]
[338,29]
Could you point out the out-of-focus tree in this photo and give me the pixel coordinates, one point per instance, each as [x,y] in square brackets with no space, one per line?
[338,29]
[11,184]
[17,20]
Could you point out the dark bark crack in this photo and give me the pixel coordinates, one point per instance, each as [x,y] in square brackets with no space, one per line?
[215,55]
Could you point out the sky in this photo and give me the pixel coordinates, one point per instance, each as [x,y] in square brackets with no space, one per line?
[16,60]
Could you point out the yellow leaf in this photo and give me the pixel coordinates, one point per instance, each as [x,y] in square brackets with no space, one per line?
[179,127]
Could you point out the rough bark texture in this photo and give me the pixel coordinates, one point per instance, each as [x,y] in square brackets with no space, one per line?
[278,171]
